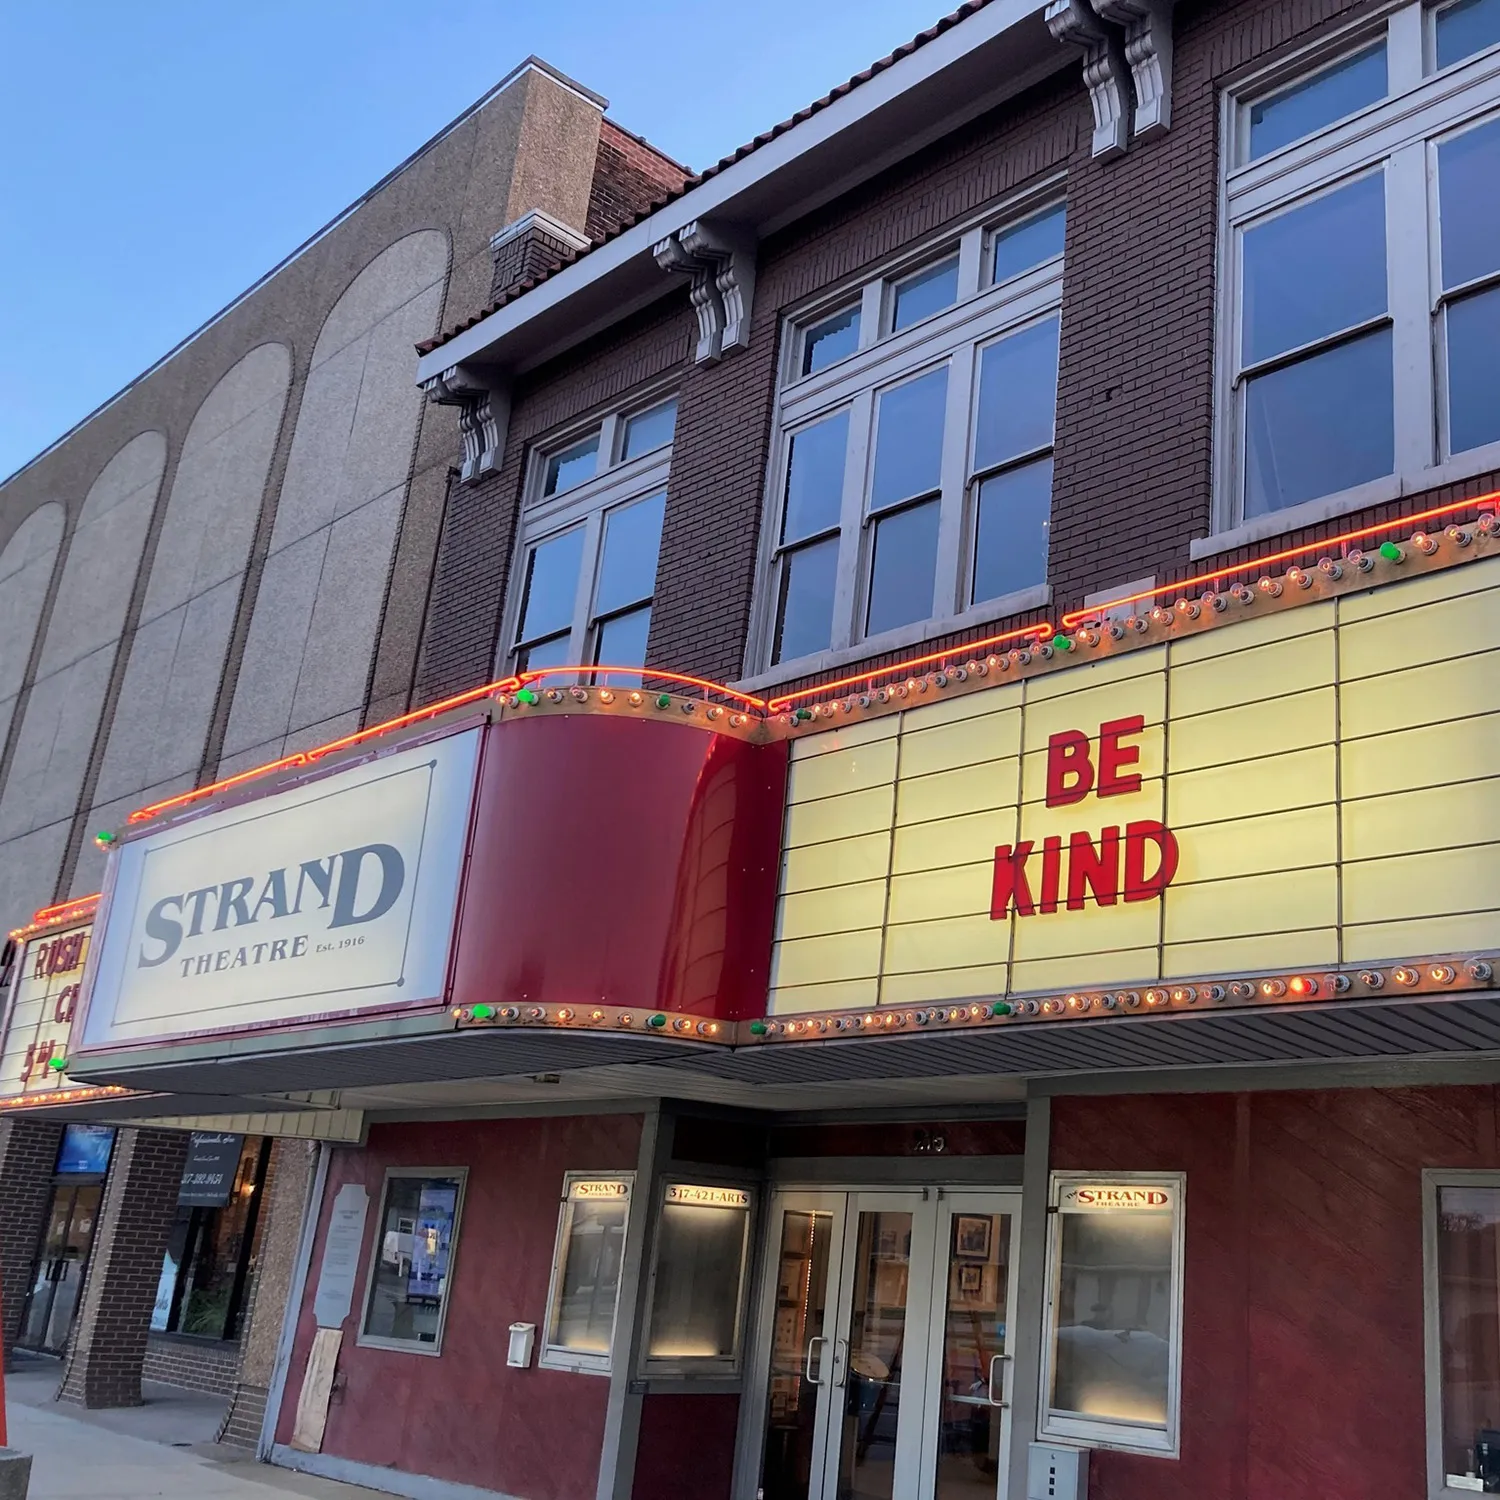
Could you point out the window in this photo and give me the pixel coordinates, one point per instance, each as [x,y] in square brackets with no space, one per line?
[212,1244]
[697,1286]
[1461,1224]
[585,1286]
[1358,355]
[913,481]
[586,571]
[1113,1339]
[412,1259]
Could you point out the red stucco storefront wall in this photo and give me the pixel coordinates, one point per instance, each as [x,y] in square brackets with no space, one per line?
[465,1416]
[1302,1352]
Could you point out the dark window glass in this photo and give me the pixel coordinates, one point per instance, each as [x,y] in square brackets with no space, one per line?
[650,430]
[622,643]
[831,340]
[1014,511]
[815,478]
[1474,370]
[414,1249]
[924,294]
[902,567]
[1320,425]
[1466,28]
[1318,101]
[909,440]
[553,652]
[804,610]
[632,539]
[700,1251]
[1315,270]
[572,466]
[1017,395]
[1029,243]
[1468,1312]
[1469,204]
[551,585]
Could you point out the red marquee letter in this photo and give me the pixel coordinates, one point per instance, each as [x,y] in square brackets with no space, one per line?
[1070,772]
[1011,882]
[1138,885]
[1113,755]
[1098,869]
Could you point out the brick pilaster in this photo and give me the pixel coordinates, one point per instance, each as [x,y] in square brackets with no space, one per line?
[28,1152]
[108,1347]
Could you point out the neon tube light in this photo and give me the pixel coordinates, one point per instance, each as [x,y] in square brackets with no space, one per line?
[1095,611]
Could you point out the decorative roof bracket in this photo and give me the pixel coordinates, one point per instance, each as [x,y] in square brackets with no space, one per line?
[1075,24]
[483,416]
[721,262]
[1148,50]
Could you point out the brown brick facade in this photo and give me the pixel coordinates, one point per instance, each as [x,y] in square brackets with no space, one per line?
[630,176]
[1133,479]
[28,1153]
[108,1347]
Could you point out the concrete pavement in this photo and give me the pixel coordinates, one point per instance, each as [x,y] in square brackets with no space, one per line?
[161,1451]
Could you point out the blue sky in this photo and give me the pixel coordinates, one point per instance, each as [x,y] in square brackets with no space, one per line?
[164,153]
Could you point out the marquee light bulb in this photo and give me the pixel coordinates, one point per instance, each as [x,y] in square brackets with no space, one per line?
[482,1012]
[1458,536]
[527,696]
[1372,979]
[1302,985]
[554,695]
[1157,997]
[1441,974]
[1188,609]
[1273,989]
[1330,567]
[1361,560]
[1270,587]
[1184,994]
[1243,594]
[1488,523]
[1405,976]
[1216,602]
[1424,544]
[1299,578]
[635,700]
[1242,989]
[1391,552]
[1478,970]
[565,1014]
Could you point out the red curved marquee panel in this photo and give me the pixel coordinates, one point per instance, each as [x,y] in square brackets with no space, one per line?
[621,862]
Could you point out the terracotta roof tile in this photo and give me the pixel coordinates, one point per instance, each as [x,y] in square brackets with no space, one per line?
[964,11]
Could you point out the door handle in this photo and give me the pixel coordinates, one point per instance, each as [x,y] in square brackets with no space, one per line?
[840,1363]
[807,1364]
[996,1362]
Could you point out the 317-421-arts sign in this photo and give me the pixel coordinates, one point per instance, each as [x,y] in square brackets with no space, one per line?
[331,897]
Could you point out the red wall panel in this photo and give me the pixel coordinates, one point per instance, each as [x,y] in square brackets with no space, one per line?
[686,1449]
[464,1415]
[624,862]
[1302,1351]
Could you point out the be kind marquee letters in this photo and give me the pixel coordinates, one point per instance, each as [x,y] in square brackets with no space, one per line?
[1135,862]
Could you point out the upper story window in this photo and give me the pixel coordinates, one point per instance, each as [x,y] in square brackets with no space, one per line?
[1360,336]
[911,485]
[590,534]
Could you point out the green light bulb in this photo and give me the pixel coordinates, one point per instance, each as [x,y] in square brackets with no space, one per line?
[1060,642]
[1000,1008]
[1391,552]
[664,700]
[525,695]
[757,1028]
[482,1012]
[657,1021]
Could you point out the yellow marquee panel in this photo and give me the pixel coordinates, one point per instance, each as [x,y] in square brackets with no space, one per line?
[1253,730]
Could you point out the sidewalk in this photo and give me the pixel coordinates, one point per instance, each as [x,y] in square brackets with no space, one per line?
[163,1450]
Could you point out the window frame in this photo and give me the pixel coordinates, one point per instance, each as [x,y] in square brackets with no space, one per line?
[702,1366]
[1095,1432]
[954,337]
[366,1340]
[552,1356]
[617,483]
[1399,136]
[1433,1179]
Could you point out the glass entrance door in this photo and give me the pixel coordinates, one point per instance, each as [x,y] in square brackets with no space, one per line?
[886,1356]
[57,1282]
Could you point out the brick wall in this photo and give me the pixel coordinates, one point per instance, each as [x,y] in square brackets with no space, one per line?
[28,1152]
[206,1365]
[1133,466]
[630,176]
[103,1366]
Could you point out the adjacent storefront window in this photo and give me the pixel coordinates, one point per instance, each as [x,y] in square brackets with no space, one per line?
[412,1259]
[1114,1311]
[696,1298]
[586,1271]
[1462,1223]
[211,1247]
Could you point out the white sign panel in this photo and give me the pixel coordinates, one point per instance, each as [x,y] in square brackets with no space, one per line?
[335,897]
[346,1237]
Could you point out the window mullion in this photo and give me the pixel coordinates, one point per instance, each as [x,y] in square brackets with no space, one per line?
[583,599]
[957,423]
[851,517]
[1408,281]
[970,256]
[1405,49]
[871,309]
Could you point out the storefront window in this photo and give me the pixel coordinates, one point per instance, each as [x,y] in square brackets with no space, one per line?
[700,1264]
[586,1272]
[211,1246]
[412,1260]
[1464,1263]
[1114,1311]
